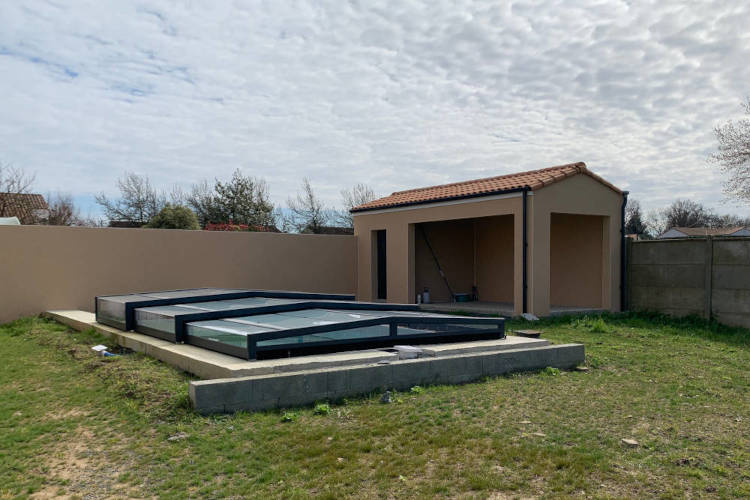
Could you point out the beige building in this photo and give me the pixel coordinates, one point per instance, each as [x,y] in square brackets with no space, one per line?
[528,242]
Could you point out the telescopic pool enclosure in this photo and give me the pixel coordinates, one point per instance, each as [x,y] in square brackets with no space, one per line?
[252,324]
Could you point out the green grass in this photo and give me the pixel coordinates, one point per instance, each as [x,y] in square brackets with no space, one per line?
[72,423]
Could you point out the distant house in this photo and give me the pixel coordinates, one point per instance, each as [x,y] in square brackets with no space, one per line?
[28,208]
[694,232]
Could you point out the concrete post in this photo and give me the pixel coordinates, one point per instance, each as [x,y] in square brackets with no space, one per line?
[708,282]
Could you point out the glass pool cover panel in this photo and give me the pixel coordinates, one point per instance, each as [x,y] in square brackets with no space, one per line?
[119,310]
[261,323]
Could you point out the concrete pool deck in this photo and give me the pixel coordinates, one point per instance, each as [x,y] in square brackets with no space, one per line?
[232,384]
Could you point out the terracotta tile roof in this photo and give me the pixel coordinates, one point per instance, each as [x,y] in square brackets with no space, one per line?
[21,206]
[706,231]
[533,179]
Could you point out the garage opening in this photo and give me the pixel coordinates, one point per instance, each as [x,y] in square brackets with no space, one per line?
[576,261]
[466,262]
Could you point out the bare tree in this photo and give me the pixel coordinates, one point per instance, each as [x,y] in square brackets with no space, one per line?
[13,180]
[62,211]
[307,214]
[355,196]
[733,156]
[687,213]
[138,201]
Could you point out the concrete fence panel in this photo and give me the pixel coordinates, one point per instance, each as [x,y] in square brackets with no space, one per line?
[709,277]
[44,267]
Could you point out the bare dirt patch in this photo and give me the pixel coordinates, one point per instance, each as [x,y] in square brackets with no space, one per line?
[81,465]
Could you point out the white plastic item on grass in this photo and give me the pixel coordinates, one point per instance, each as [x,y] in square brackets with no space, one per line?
[99,348]
[529,317]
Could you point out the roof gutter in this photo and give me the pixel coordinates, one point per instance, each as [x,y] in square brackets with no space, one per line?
[623,257]
[525,244]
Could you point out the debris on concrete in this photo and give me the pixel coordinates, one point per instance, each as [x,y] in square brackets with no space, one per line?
[529,317]
[632,443]
[386,398]
[179,436]
[408,351]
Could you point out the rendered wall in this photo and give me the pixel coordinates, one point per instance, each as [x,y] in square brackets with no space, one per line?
[708,277]
[494,258]
[43,267]
[576,260]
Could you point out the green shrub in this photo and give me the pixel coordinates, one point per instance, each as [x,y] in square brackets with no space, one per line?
[322,409]
[592,324]
[289,416]
[174,217]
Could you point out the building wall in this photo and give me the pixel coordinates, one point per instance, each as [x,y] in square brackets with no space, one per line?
[708,277]
[576,260]
[575,195]
[47,267]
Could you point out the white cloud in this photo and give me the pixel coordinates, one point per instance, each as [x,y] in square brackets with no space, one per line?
[395,94]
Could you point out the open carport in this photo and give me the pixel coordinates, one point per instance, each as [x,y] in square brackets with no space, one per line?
[541,241]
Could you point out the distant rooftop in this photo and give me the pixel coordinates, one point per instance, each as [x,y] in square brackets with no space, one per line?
[22,205]
[703,231]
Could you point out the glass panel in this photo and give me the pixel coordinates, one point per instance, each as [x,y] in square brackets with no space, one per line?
[193,292]
[220,305]
[224,331]
[340,335]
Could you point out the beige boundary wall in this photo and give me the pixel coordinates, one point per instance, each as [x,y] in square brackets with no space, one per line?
[44,267]
[708,277]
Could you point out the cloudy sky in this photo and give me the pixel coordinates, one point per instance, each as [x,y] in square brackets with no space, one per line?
[394,94]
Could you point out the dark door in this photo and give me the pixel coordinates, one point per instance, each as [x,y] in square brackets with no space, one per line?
[381,266]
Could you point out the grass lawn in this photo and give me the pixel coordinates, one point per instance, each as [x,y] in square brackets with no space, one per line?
[75,424]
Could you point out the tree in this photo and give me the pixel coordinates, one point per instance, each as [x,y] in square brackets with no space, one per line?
[687,213]
[307,214]
[733,156]
[174,217]
[138,201]
[354,197]
[62,211]
[634,223]
[13,180]
[242,200]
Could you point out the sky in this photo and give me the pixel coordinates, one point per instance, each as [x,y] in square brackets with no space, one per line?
[394,94]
